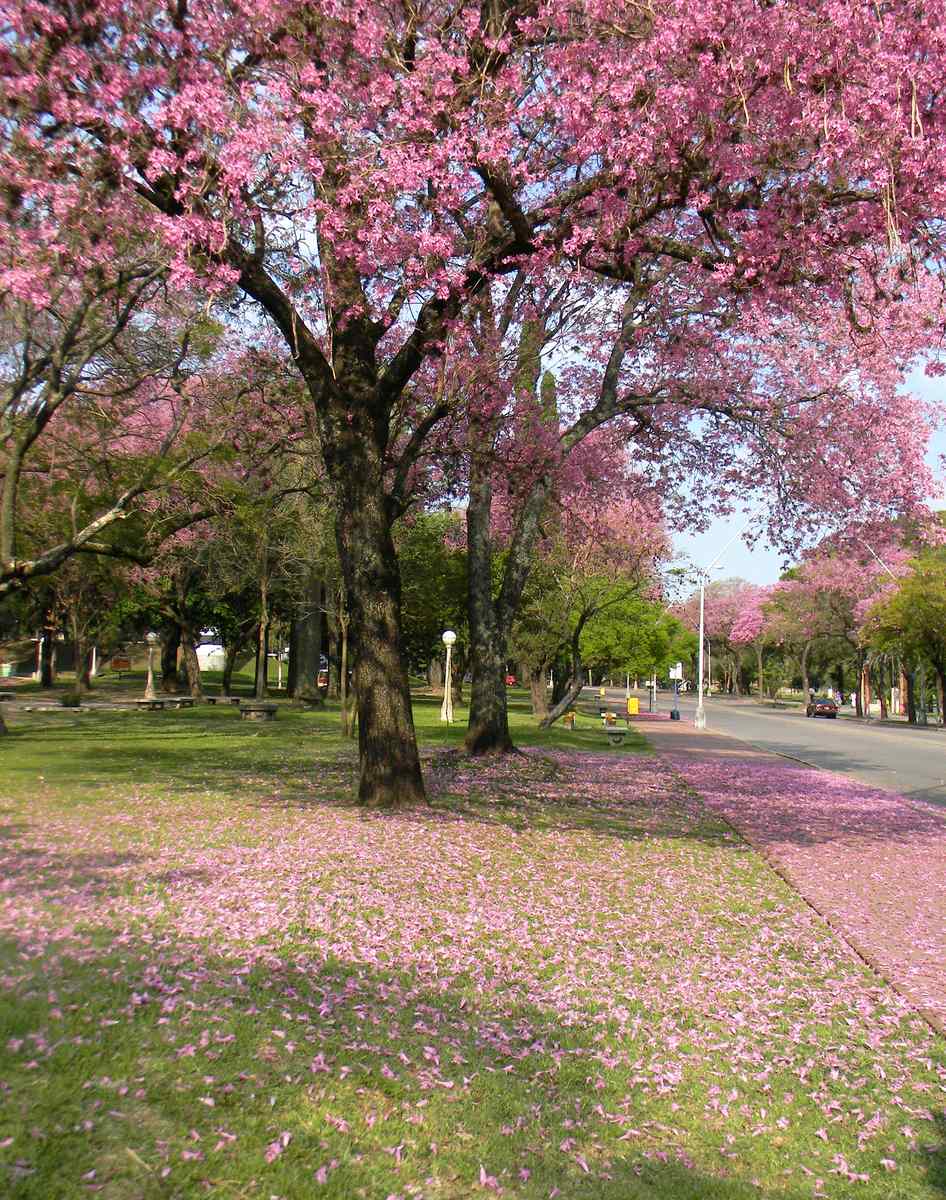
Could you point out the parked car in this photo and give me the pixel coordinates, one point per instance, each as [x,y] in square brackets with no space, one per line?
[821,706]
[510,681]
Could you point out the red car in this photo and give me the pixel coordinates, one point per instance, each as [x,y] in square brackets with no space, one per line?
[821,706]
[510,681]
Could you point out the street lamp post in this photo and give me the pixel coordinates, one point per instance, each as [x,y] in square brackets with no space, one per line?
[152,639]
[446,709]
[700,719]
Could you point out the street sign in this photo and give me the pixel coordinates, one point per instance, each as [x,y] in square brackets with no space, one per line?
[676,672]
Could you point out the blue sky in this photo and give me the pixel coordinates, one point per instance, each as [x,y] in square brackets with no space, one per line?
[762,564]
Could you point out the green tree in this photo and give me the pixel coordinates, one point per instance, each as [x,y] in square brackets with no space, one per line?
[912,619]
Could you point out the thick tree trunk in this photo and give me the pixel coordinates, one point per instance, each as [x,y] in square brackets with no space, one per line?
[435,674]
[488,729]
[305,641]
[170,645]
[229,662]
[191,664]
[390,773]
[387,744]
[940,692]
[539,691]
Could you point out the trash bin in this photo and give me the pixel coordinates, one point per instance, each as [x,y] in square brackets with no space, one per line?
[633,706]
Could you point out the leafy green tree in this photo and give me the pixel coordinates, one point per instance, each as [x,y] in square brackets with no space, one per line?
[433,587]
[911,619]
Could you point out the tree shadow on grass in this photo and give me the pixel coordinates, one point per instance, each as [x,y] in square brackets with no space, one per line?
[178,1070]
[74,876]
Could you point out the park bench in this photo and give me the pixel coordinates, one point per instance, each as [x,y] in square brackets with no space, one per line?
[614,735]
[258,712]
[150,705]
[7,696]
[180,701]
[119,663]
[222,699]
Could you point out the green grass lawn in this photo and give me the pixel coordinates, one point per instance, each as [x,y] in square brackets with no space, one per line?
[563,978]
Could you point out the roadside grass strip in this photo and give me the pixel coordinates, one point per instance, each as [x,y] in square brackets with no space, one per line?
[566,977]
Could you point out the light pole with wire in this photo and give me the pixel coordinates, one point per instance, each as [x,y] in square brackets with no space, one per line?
[700,719]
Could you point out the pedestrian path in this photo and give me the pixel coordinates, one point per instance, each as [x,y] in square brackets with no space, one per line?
[873,863]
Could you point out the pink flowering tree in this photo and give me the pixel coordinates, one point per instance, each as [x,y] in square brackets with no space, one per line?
[364,175]
[752,628]
[827,597]
[100,403]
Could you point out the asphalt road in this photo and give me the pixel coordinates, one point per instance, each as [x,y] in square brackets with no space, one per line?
[911,761]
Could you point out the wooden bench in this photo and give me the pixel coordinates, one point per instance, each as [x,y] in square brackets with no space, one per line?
[180,701]
[120,663]
[150,705]
[258,712]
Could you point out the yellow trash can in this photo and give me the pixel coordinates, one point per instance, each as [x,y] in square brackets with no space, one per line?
[633,706]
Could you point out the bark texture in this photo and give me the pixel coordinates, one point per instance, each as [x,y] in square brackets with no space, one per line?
[488,729]
[170,645]
[539,692]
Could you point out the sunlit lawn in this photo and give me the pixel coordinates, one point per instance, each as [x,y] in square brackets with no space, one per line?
[564,978]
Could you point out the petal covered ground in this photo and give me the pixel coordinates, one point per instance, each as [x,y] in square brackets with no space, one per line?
[567,978]
[872,862]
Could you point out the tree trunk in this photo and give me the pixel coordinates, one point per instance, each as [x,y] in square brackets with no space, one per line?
[229,662]
[170,645]
[82,665]
[910,680]
[803,662]
[940,691]
[882,689]
[47,669]
[488,729]
[539,691]
[261,688]
[390,773]
[458,659]
[435,674]
[191,664]
[305,641]
[348,724]
[758,660]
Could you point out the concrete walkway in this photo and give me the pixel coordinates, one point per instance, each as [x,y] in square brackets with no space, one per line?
[871,862]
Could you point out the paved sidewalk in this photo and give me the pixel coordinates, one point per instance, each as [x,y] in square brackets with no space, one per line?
[871,862]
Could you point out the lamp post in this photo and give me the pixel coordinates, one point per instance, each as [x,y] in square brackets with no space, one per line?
[152,639]
[446,709]
[700,719]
